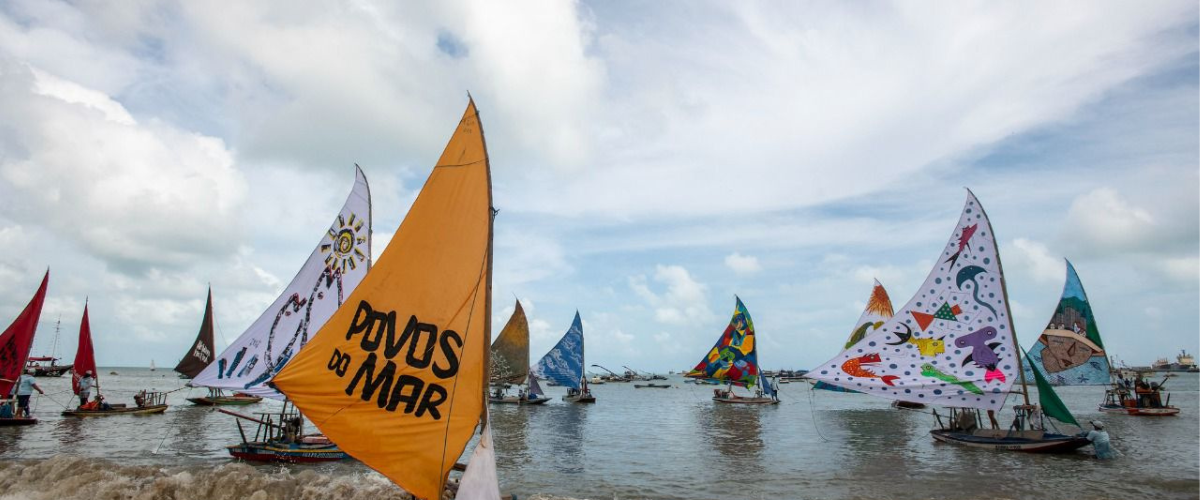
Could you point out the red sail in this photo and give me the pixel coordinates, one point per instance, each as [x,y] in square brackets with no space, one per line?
[85,359]
[16,341]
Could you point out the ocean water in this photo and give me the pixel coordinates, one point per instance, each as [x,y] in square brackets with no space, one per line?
[633,443]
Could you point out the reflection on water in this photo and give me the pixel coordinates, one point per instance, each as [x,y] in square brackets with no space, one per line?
[563,428]
[69,431]
[513,443]
[734,431]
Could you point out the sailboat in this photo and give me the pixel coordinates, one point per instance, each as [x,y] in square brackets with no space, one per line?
[398,376]
[510,363]
[877,312]
[15,343]
[564,365]
[145,402]
[953,344]
[734,361]
[47,366]
[335,268]
[1069,351]
[200,355]
[152,367]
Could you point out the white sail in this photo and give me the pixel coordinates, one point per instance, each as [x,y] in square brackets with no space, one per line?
[952,343]
[480,481]
[332,271]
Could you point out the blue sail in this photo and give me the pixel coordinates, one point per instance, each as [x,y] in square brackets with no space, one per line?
[767,388]
[564,363]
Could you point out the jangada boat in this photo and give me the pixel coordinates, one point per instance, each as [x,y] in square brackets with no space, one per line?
[403,410]
[564,364]
[15,343]
[734,360]
[510,364]
[145,402]
[964,304]
[280,438]
[1138,397]
[199,356]
[1069,350]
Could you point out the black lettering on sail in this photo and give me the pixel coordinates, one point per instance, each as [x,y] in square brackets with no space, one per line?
[429,332]
[381,381]
[451,354]
[410,398]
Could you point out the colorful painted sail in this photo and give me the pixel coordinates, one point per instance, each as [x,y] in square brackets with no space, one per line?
[1070,352]
[85,356]
[734,358]
[201,353]
[17,339]
[332,272]
[397,377]
[564,363]
[952,343]
[877,312]
[510,351]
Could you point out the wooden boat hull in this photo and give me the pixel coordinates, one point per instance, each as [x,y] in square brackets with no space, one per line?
[144,410]
[269,451]
[513,400]
[907,405]
[746,401]
[1049,443]
[651,386]
[17,422]
[1166,411]
[579,399]
[225,400]
[51,371]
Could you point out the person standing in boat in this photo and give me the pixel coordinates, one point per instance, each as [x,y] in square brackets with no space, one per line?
[1100,441]
[25,384]
[86,384]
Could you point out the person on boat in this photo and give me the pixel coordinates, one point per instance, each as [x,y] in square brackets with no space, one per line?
[140,399]
[85,387]
[1100,441]
[26,384]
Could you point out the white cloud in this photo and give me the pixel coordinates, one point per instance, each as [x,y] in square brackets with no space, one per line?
[682,303]
[1033,259]
[742,264]
[1103,218]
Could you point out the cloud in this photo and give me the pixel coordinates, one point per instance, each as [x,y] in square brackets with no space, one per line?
[1102,218]
[742,264]
[1032,258]
[136,195]
[682,303]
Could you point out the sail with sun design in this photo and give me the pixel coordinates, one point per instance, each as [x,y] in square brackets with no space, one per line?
[333,270]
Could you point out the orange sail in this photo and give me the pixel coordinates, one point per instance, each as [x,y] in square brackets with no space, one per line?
[397,377]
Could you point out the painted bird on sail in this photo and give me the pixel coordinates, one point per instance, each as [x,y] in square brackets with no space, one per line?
[967,233]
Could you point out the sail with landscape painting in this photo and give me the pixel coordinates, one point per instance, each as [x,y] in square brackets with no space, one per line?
[953,345]
[397,377]
[333,270]
[564,364]
[734,360]
[15,343]
[1069,351]
[877,312]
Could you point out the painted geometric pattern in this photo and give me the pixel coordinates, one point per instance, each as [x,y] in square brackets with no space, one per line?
[733,358]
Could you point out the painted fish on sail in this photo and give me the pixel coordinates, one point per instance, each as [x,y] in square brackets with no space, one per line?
[1069,351]
[961,303]
[332,272]
[397,376]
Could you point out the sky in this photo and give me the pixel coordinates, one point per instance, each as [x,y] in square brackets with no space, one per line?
[651,160]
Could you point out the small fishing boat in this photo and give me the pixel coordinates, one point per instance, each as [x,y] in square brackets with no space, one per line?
[907,405]
[200,355]
[280,437]
[1136,396]
[878,311]
[734,360]
[15,343]
[962,303]
[145,402]
[564,364]
[652,386]
[533,396]
[46,366]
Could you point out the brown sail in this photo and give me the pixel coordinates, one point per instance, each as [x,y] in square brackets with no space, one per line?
[201,353]
[510,351]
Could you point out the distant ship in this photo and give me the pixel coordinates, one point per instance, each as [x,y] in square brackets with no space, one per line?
[1184,362]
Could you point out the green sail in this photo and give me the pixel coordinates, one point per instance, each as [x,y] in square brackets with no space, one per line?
[1051,405]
